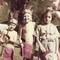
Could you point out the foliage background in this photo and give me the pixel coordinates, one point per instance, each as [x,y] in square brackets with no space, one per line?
[39,6]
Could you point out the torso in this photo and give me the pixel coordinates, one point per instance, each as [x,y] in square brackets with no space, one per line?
[47,32]
[12,36]
[28,31]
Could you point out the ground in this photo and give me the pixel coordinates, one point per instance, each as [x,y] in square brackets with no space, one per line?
[17,55]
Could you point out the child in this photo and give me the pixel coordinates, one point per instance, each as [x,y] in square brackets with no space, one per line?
[10,36]
[27,32]
[48,35]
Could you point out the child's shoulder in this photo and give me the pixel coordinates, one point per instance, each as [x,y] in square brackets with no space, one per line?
[15,32]
[38,27]
[31,23]
[52,25]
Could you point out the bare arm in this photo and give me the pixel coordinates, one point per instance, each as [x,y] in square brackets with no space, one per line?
[20,34]
[57,39]
[38,40]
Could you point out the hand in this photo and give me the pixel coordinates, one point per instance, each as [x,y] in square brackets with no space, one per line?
[1,40]
[22,45]
[6,38]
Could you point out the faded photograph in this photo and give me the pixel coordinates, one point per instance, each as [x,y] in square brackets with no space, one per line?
[29,29]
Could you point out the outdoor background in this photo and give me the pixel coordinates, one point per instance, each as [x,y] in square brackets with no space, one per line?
[39,6]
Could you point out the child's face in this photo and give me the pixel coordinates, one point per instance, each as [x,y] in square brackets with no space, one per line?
[27,17]
[12,26]
[48,18]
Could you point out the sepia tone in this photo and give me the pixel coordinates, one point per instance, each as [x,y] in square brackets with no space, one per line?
[39,6]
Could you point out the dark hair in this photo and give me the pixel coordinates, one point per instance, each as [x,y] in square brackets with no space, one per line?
[44,14]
